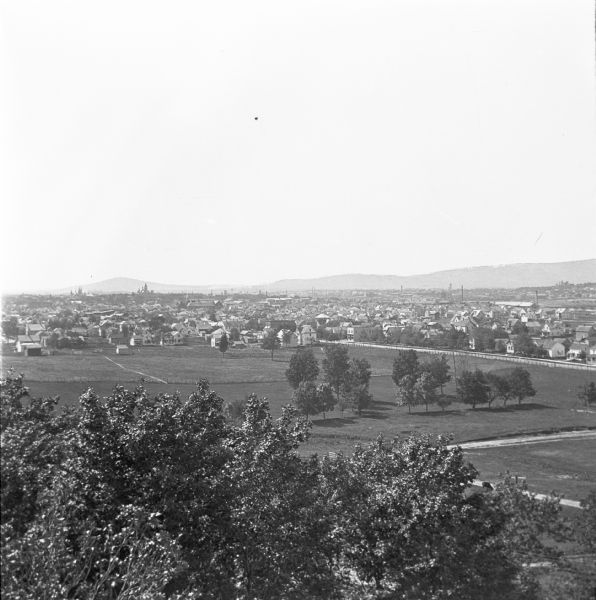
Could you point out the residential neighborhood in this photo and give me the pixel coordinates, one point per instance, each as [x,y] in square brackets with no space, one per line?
[557,323]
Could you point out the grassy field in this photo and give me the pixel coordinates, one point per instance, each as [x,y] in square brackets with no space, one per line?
[564,465]
[241,372]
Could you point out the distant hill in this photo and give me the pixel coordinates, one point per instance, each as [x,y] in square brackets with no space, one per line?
[501,276]
[127,285]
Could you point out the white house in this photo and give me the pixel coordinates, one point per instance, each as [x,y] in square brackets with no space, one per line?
[287,338]
[172,338]
[555,349]
[307,335]
[216,337]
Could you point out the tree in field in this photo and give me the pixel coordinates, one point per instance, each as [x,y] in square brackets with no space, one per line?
[498,387]
[303,367]
[407,392]
[354,387]
[235,334]
[520,384]
[307,398]
[444,402]
[472,388]
[335,366]
[271,342]
[439,369]
[426,389]
[327,398]
[587,393]
[406,370]
[405,364]
[223,344]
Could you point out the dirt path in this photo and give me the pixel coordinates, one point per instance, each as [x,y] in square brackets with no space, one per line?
[137,372]
[529,439]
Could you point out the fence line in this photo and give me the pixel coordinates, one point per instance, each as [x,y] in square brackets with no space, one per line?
[518,359]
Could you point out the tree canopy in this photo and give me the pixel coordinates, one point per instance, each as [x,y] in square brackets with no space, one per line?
[335,366]
[472,387]
[520,384]
[303,367]
[162,496]
[271,342]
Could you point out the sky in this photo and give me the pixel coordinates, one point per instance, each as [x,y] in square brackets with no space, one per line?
[245,142]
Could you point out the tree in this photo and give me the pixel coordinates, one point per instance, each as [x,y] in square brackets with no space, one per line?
[328,400]
[223,344]
[525,345]
[397,502]
[235,334]
[286,336]
[234,409]
[439,370]
[498,387]
[335,366]
[472,388]
[307,398]
[405,364]
[303,367]
[520,384]
[444,402]
[587,393]
[354,387]
[407,393]
[10,327]
[426,389]
[270,342]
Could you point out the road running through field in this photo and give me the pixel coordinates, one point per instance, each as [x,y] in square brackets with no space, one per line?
[528,439]
[137,372]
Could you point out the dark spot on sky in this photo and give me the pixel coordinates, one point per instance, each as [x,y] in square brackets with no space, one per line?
[256,118]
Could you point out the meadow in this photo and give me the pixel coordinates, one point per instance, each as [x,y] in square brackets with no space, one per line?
[241,372]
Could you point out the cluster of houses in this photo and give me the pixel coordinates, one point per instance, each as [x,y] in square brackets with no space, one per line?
[494,326]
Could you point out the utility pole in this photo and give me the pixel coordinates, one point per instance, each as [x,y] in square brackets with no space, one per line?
[454,373]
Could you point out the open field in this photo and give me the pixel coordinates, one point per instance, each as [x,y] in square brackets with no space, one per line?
[251,370]
[557,465]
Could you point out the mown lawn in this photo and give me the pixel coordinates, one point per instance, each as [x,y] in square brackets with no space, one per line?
[176,364]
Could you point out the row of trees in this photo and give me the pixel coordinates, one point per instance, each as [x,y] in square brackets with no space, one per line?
[139,496]
[478,387]
[419,383]
[346,381]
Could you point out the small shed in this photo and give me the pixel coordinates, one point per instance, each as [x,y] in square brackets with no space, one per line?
[122,349]
[32,350]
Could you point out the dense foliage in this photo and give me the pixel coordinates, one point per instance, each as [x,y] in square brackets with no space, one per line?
[303,367]
[140,497]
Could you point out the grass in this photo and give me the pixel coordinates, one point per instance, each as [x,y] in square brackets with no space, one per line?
[246,371]
[548,466]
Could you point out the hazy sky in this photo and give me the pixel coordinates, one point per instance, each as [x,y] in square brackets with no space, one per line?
[247,141]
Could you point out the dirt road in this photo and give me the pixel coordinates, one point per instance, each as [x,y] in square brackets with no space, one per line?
[529,439]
